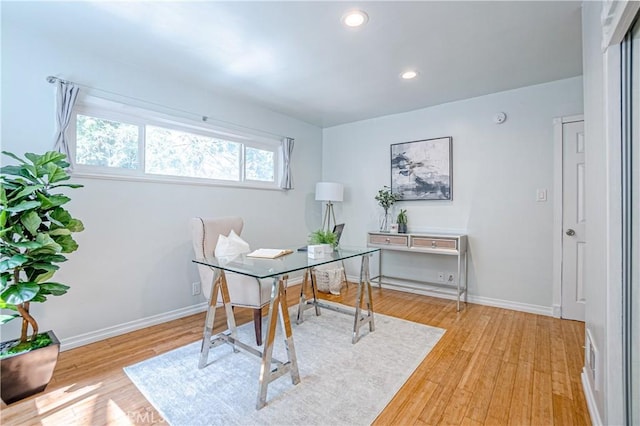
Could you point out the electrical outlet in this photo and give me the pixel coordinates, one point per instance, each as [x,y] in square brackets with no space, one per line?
[441,277]
[195,289]
[451,277]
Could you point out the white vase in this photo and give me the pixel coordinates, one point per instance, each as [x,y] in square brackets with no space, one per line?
[327,248]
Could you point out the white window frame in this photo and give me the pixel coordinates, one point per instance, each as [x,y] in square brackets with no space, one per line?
[115,111]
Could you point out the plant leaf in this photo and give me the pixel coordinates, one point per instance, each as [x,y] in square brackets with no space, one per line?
[25,205]
[15,157]
[25,171]
[25,244]
[49,245]
[47,157]
[12,170]
[6,318]
[26,191]
[39,298]
[48,257]
[75,225]
[5,305]
[70,185]
[61,216]
[59,199]
[59,231]
[44,277]
[55,289]
[31,221]
[12,262]
[20,293]
[67,243]
[56,173]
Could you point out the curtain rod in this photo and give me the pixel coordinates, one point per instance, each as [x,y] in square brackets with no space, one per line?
[52,79]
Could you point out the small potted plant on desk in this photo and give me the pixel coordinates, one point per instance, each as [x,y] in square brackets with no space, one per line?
[34,232]
[402,221]
[324,237]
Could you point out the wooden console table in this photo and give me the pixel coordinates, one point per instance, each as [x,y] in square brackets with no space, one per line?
[431,244]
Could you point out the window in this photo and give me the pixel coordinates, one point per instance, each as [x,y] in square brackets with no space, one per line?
[110,139]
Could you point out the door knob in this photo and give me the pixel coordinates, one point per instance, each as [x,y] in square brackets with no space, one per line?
[571,232]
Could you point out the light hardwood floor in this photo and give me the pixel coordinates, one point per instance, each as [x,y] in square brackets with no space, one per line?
[493,366]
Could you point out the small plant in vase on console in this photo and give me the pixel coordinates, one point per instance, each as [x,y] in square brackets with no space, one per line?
[402,221]
[386,199]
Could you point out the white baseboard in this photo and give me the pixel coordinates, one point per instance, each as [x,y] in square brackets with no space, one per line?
[596,420]
[116,330]
[480,300]
[516,306]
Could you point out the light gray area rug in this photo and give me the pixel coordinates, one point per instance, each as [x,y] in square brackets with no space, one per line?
[340,383]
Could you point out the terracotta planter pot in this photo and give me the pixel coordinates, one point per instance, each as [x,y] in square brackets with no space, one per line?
[28,373]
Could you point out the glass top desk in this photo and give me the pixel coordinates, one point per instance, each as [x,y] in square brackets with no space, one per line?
[278,269]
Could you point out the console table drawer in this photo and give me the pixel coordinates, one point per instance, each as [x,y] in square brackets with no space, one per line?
[389,240]
[434,243]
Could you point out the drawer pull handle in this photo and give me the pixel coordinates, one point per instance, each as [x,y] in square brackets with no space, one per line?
[433,244]
[387,240]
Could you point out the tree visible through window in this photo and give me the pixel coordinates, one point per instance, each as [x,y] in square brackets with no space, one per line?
[258,164]
[149,146]
[176,153]
[106,143]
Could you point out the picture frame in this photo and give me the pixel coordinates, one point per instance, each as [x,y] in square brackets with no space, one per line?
[423,169]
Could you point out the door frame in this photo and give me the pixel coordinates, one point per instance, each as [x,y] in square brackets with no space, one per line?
[557,210]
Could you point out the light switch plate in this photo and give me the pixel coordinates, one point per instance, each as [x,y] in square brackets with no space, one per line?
[541,195]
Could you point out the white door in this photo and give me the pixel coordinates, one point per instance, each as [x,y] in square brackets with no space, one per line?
[573,220]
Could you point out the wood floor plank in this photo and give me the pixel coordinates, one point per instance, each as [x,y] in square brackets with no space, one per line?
[542,404]
[483,392]
[521,400]
[498,412]
[542,354]
[491,367]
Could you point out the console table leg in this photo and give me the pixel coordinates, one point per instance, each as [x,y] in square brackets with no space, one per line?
[459,279]
[466,277]
[380,269]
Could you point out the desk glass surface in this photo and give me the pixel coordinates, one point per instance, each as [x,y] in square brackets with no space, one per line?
[296,261]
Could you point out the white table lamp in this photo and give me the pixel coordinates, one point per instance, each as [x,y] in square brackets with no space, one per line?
[329,192]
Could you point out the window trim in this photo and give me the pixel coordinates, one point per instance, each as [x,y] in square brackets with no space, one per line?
[110,110]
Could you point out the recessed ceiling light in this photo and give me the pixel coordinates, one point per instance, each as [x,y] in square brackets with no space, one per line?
[408,75]
[355,18]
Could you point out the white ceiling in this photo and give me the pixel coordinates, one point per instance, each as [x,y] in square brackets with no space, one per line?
[297,58]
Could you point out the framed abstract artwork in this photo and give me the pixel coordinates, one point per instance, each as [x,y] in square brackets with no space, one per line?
[422,170]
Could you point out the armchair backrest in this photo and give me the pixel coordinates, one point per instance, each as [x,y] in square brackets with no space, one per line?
[205,233]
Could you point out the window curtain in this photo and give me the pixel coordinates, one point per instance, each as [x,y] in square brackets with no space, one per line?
[286,179]
[66,96]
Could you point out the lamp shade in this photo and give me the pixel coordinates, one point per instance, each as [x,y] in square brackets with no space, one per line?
[329,191]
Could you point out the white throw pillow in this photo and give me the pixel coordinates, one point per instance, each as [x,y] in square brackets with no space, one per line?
[230,246]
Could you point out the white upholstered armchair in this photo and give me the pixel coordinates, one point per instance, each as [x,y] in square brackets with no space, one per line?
[244,291]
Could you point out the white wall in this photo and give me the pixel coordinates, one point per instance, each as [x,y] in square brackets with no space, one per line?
[497,169]
[134,259]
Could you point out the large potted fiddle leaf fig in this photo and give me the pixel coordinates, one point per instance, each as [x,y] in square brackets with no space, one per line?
[35,233]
